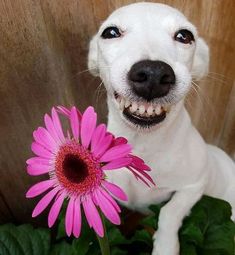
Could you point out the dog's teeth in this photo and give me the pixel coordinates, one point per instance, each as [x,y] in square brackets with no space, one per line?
[158,109]
[141,109]
[118,99]
[122,103]
[127,104]
[150,110]
[133,107]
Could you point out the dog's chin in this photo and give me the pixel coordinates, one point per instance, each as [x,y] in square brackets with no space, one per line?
[141,114]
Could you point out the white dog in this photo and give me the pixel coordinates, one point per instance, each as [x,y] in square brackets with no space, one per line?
[147,54]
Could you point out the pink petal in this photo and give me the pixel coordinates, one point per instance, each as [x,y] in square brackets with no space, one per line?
[39,188]
[42,136]
[55,210]
[88,125]
[147,176]
[93,216]
[107,208]
[66,112]
[111,200]
[38,160]
[115,152]
[98,135]
[103,146]
[74,122]
[138,176]
[115,190]
[137,160]
[77,219]
[139,163]
[120,140]
[51,129]
[44,202]
[38,169]
[57,124]
[63,110]
[69,217]
[117,163]
[40,151]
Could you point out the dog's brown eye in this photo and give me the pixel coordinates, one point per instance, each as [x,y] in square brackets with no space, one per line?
[111,32]
[184,36]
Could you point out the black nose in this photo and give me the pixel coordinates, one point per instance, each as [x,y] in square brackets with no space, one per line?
[151,79]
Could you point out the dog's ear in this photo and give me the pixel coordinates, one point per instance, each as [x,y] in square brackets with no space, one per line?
[201,60]
[93,57]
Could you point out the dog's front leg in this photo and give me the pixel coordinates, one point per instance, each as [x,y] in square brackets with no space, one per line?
[170,220]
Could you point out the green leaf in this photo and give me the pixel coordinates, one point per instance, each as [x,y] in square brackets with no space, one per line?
[187,249]
[150,221]
[62,248]
[116,238]
[192,233]
[23,240]
[208,230]
[86,242]
[118,251]
[142,236]
[61,233]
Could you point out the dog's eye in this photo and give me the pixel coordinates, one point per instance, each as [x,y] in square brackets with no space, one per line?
[111,32]
[184,36]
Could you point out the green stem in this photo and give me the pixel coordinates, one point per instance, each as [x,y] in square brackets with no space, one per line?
[103,241]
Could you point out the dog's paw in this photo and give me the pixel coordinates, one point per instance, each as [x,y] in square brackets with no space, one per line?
[165,244]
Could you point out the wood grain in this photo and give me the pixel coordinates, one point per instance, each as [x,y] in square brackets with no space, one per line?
[43,55]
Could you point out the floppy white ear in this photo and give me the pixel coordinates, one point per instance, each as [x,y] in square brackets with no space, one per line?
[201,60]
[93,57]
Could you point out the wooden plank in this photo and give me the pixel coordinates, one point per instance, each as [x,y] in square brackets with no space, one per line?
[33,78]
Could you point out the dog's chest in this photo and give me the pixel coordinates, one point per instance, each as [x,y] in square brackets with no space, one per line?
[139,195]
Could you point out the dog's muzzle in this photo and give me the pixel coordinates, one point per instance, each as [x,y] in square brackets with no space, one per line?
[148,80]
[151,79]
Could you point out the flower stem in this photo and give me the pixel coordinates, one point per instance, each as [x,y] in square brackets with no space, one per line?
[103,241]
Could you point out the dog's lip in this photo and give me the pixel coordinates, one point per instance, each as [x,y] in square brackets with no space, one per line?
[144,114]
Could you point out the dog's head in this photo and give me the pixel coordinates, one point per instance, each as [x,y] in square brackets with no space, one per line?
[146,54]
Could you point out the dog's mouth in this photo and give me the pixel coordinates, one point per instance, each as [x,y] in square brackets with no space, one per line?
[141,113]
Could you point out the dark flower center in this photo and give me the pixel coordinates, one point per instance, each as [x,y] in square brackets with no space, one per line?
[75,169]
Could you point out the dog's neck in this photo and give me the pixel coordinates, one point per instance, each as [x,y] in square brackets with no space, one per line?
[177,124]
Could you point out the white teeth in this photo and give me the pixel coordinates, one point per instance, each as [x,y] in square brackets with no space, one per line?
[122,103]
[127,104]
[133,107]
[150,110]
[145,110]
[158,109]
[141,109]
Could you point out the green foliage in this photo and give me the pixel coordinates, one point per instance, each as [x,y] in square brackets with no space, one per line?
[208,230]
[24,240]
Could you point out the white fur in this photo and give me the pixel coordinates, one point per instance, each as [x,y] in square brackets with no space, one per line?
[183,165]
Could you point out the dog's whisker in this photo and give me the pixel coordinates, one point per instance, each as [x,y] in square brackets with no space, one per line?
[98,92]
[221,75]
[207,100]
[218,79]
[89,70]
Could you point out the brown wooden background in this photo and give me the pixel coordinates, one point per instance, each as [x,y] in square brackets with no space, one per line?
[43,52]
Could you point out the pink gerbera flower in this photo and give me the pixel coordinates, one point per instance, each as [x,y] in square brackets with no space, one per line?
[76,164]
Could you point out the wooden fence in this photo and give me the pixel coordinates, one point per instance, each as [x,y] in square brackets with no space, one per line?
[43,53]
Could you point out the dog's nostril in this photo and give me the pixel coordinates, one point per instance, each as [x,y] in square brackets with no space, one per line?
[141,76]
[138,76]
[166,79]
